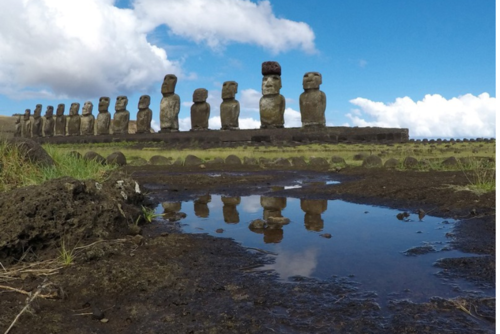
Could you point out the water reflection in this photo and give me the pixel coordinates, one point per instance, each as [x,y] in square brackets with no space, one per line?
[313,209]
[231,215]
[201,206]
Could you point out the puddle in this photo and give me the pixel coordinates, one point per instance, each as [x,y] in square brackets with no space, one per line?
[333,238]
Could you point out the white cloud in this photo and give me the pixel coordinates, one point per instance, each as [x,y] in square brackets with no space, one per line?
[155,126]
[434,116]
[296,263]
[219,22]
[249,99]
[249,123]
[292,118]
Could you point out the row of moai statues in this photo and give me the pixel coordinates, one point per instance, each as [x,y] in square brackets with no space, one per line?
[272,109]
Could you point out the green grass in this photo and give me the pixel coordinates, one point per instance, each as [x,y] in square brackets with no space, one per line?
[66,256]
[147,214]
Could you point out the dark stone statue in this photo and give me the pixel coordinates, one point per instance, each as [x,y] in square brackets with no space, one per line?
[229,108]
[36,129]
[48,125]
[144,115]
[122,116]
[313,209]
[60,127]
[170,105]
[74,120]
[18,132]
[27,124]
[229,211]
[272,103]
[200,110]
[104,116]
[87,120]
[312,101]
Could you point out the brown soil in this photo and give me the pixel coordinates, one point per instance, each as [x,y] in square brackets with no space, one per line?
[163,281]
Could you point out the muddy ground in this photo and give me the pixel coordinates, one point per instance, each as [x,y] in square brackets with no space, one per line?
[158,280]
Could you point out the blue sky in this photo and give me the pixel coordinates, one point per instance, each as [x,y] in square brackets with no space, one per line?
[425,65]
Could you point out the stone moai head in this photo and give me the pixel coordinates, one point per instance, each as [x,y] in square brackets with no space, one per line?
[38,111]
[87,108]
[60,109]
[200,95]
[168,86]
[271,82]
[229,90]
[103,104]
[144,102]
[312,80]
[49,112]
[73,110]
[121,103]
[27,114]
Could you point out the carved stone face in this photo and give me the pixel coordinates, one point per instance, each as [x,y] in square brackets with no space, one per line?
[312,80]
[87,108]
[49,112]
[38,111]
[60,109]
[103,104]
[73,110]
[144,102]
[121,103]
[200,95]
[27,114]
[271,84]
[169,83]
[229,90]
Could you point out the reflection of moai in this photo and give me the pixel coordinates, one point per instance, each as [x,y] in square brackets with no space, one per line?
[231,215]
[74,120]
[312,101]
[88,120]
[60,127]
[171,209]
[170,105]
[200,110]
[144,115]
[122,116]
[201,206]
[36,128]
[18,132]
[104,117]
[272,103]
[273,236]
[229,108]
[27,124]
[48,125]
[313,209]
[272,206]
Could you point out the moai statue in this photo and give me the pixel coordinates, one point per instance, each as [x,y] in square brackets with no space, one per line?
[272,206]
[27,124]
[229,108]
[272,103]
[60,127]
[122,116]
[48,125]
[201,206]
[312,101]
[171,210]
[170,105]
[144,115]
[313,209]
[229,211]
[36,128]
[87,120]
[18,132]
[104,117]
[74,120]
[200,110]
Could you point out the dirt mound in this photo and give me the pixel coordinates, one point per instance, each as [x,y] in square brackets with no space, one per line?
[66,210]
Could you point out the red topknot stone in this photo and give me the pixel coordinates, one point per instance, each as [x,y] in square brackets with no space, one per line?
[271,67]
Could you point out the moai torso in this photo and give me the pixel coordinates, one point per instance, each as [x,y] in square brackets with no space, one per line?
[313,209]
[104,117]
[122,116]
[74,120]
[36,129]
[18,132]
[272,206]
[170,105]
[229,210]
[312,101]
[60,123]
[87,120]
[26,132]
[272,103]
[48,125]
[200,110]
[229,108]
[144,115]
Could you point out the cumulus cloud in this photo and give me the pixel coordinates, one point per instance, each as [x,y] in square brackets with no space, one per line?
[433,116]
[296,263]
[249,99]
[219,22]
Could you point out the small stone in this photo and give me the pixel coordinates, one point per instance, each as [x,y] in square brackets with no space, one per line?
[219,230]
[326,235]
[105,320]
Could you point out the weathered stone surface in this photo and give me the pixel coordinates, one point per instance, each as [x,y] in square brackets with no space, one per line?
[36,129]
[318,162]
[336,160]
[215,161]
[200,206]
[410,162]
[272,104]
[450,162]
[298,162]
[49,123]
[138,161]
[144,115]
[91,155]
[170,105]
[103,121]
[18,131]
[233,160]
[312,101]
[116,158]
[60,122]
[391,163]
[229,108]
[87,120]
[74,120]
[26,128]
[271,67]
[160,160]
[75,154]
[360,156]
[281,162]
[313,210]
[272,206]
[121,117]
[200,110]
[257,224]
[229,211]
[372,161]
[192,160]
[32,151]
